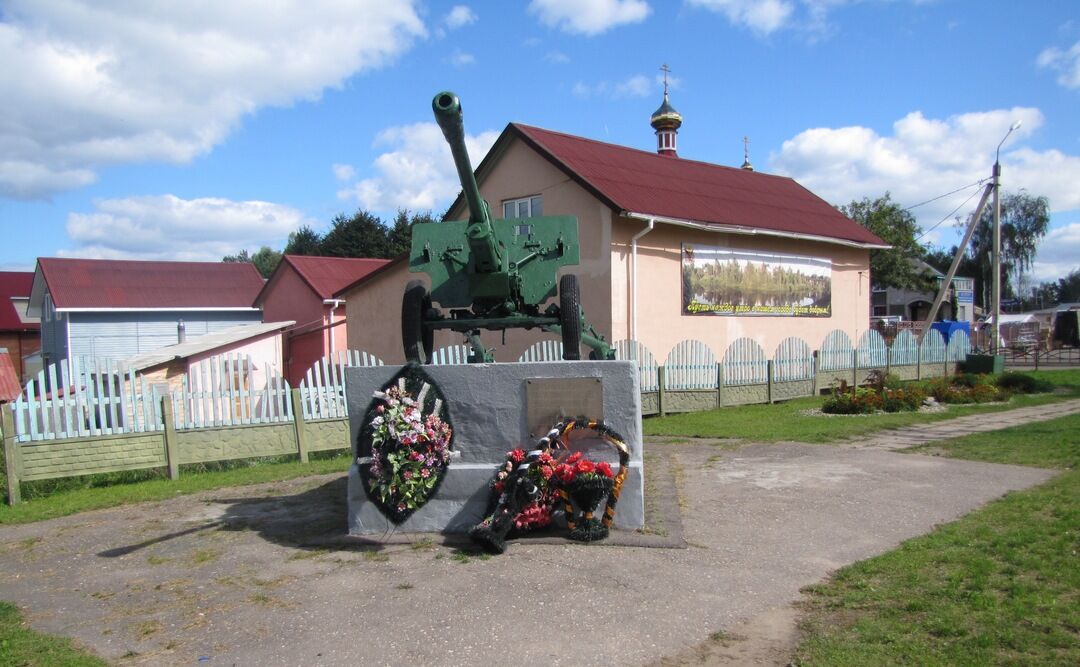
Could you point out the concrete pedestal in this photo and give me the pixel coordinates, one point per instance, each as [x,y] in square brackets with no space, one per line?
[487,405]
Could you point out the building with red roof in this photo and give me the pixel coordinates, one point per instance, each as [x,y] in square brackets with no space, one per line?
[98,309]
[19,333]
[302,289]
[671,249]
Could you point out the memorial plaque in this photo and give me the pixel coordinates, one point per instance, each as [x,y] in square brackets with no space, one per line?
[550,399]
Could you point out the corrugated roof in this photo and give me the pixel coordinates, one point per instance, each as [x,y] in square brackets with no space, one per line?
[17,284]
[636,181]
[201,344]
[109,283]
[9,380]
[327,275]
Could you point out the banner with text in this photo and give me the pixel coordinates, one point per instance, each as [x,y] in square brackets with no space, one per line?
[722,281]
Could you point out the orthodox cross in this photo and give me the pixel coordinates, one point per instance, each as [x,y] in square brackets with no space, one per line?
[665,69]
[746,148]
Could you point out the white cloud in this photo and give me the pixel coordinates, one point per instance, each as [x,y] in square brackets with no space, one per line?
[762,16]
[167,227]
[343,172]
[86,84]
[417,173]
[926,157]
[1058,255]
[589,17]
[557,57]
[459,17]
[1066,63]
[461,59]
[637,85]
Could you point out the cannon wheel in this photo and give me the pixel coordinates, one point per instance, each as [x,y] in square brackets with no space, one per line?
[417,339]
[570,317]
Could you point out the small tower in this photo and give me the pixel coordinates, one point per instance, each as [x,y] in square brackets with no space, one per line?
[746,154]
[666,121]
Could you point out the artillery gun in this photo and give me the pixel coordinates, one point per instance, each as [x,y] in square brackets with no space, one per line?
[491,274]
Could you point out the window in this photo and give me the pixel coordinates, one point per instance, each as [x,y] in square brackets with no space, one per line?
[881,311]
[528,207]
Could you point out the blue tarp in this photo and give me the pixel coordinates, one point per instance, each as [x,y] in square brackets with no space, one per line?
[948,327]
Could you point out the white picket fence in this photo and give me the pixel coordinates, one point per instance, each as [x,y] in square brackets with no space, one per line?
[73,399]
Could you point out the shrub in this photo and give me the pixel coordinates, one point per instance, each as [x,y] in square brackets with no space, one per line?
[908,399]
[1021,383]
[972,380]
[857,402]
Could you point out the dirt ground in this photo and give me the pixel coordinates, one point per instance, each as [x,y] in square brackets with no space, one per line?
[263,575]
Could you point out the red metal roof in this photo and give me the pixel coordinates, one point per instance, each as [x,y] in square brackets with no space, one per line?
[327,275]
[9,380]
[15,283]
[109,283]
[637,181]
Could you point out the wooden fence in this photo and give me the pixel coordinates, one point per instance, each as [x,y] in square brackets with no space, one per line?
[75,418]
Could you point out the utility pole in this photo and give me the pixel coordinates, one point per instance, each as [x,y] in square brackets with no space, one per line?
[995,284]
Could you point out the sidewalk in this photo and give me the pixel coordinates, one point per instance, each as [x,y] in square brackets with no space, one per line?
[912,436]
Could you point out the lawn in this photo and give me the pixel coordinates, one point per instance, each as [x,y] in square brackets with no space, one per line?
[1000,586]
[74,500]
[789,421]
[19,646]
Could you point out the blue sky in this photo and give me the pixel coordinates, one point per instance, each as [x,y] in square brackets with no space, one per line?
[193,130]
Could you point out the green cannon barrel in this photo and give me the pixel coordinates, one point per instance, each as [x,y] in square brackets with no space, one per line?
[481,237]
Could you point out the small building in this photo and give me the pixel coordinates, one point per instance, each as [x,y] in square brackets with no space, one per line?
[894,303]
[10,387]
[20,333]
[302,289]
[244,356]
[671,249]
[102,309]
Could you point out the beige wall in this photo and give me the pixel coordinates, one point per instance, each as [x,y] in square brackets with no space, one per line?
[374,309]
[661,324]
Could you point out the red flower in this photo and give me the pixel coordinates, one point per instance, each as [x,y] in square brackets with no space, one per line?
[546,472]
[545,457]
[499,486]
[604,468]
[584,467]
[574,458]
[516,455]
[565,472]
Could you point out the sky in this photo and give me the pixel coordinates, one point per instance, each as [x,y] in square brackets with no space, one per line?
[189,131]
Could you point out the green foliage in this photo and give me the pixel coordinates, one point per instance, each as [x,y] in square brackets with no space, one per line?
[265,260]
[860,401]
[1025,219]
[1021,383]
[359,235]
[304,241]
[997,587]
[1067,289]
[897,227]
[965,389]
[24,647]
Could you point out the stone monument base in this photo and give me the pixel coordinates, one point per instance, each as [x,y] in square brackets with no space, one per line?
[490,407]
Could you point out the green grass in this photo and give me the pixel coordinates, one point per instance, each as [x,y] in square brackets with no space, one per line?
[785,421]
[1000,586]
[26,648]
[63,503]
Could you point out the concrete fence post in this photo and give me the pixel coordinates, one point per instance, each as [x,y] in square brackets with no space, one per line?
[769,370]
[719,385]
[172,459]
[300,425]
[855,368]
[661,391]
[11,454]
[814,368]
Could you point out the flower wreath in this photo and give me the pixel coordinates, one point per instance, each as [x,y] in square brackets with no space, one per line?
[405,445]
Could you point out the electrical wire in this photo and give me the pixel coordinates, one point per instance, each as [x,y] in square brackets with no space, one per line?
[970,185]
[950,213]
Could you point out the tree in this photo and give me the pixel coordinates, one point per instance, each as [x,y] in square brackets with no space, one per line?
[1025,219]
[304,241]
[361,235]
[265,260]
[1068,288]
[891,223]
[399,237]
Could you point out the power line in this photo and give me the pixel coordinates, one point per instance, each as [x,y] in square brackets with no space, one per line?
[970,185]
[950,214]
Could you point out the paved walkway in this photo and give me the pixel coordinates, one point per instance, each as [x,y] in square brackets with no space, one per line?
[229,576]
[912,436]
